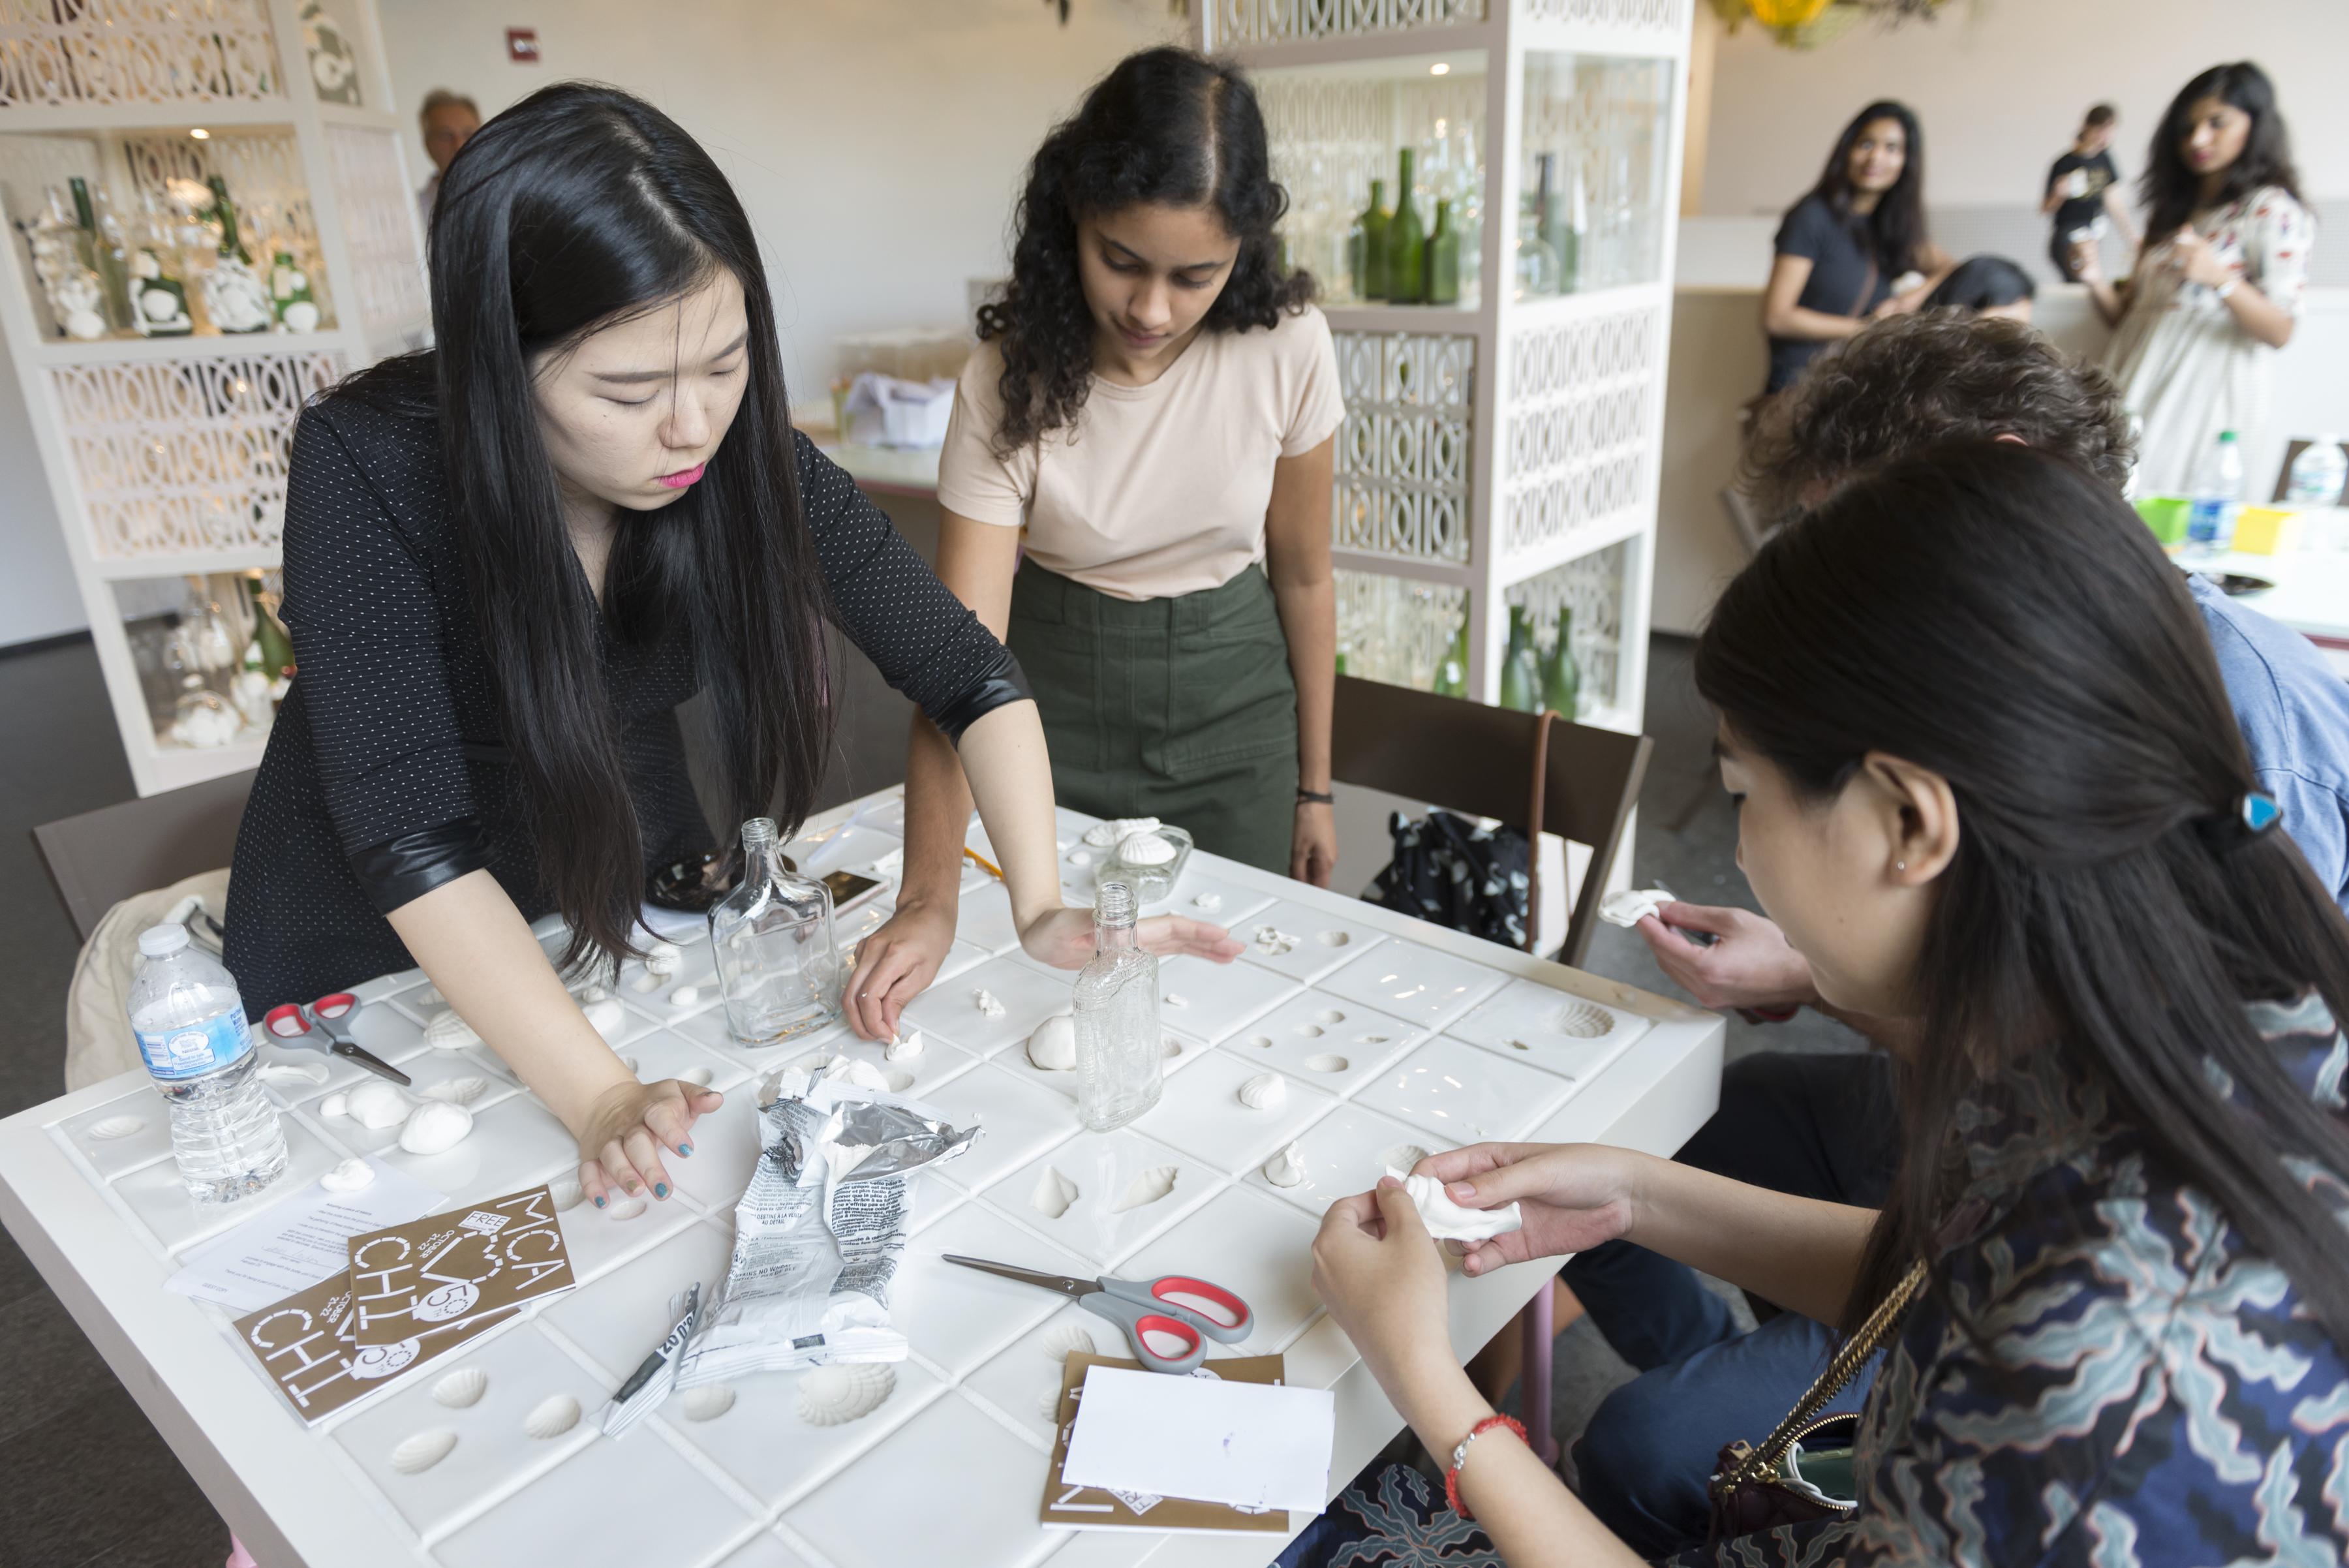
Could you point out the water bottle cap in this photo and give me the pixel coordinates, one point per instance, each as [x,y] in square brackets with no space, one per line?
[159,941]
[2225,436]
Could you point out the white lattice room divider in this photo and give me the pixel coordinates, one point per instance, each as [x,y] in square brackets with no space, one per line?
[98,54]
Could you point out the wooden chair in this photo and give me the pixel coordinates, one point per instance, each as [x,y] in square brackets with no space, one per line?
[103,856]
[1539,772]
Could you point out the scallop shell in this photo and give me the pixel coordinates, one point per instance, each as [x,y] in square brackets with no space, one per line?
[835,1396]
[294,1072]
[1102,834]
[1066,1341]
[350,1175]
[461,1091]
[421,1452]
[113,1128]
[462,1389]
[1330,1015]
[1053,1046]
[1583,1021]
[1047,1402]
[551,1417]
[607,1017]
[1328,1062]
[1144,849]
[710,1402]
[338,1104]
[565,1192]
[377,1105]
[1053,1194]
[1264,1092]
[1286,1168]
[435,1126]
[1146,1189]
[447,1031]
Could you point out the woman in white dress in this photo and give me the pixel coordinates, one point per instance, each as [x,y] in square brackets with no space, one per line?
[2216,287]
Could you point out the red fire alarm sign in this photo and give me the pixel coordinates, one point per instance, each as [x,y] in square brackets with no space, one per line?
[522,45]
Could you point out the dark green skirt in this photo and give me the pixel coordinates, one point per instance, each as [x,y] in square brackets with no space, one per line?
[1181,708]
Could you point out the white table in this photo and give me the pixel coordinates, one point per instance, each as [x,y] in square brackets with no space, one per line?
[1443,1039]
[2311,594]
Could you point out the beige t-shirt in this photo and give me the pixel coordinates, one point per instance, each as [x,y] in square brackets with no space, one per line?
[1160,490]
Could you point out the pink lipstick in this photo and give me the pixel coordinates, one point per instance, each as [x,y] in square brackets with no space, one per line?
[682,477]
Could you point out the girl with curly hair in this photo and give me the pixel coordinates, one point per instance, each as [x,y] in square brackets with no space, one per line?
[1151,413]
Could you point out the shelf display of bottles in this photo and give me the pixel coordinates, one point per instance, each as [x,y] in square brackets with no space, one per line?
[1596,149]
[1400,631]
[215,669]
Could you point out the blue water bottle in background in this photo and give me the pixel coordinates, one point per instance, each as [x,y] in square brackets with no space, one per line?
[193,1035]
[2218,497]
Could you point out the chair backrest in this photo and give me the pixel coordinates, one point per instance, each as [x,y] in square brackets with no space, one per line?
[1536,772]
[100,859]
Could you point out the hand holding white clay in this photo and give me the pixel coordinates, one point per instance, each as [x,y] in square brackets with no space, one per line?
[1447,1220]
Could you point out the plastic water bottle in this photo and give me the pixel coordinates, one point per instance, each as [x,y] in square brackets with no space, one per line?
[2218,497]
[2318,473]
[193,1035]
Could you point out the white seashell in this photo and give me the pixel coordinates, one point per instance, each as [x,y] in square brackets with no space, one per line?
[1173,999]
[708,1402]
[350,1175]
[1262,1042]
[1102,834]
[1047,1402]
[1583,1021]
[1145,849]
[663,959]
[1066,1341]
[420,1452]
[294,1072]
[1286,1168]
[113,1128]
[429,997]
[903,1046]
[447,1031]
[1328,1062]
[565,1192]
[376,1104]
[435,1126]
[1053,1046]
[647,980]
[835,1396]
[1272,941]
[608,1017]
[1403,1156]
[624,1205]
[1210,902]
[462,1389]
[551,1417]
[1310,1031]
[461,1091]
[685,996]
[338,1104]
[699,1076]
[1328,1015]
[987,1002]
[1053,1194]
[1264,1092]
[1146,1189]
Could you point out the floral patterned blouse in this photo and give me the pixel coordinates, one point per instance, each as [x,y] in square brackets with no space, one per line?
[2154,1395]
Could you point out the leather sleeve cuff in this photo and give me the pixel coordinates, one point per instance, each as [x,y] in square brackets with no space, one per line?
[1004,684]
[402,870]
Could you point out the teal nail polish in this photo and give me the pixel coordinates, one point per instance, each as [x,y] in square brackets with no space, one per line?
[660,1189]
[685,1150]
[599,1203]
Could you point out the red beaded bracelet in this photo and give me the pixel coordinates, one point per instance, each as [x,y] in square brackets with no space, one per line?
[1460,1457]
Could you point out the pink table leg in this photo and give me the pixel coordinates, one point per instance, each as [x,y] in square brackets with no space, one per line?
[238,1557]
[1535,1375]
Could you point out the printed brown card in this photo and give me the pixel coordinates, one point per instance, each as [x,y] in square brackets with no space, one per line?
[304,1344]
[1070,1507]
[447,1269]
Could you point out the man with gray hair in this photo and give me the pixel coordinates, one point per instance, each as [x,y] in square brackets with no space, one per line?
[449,120]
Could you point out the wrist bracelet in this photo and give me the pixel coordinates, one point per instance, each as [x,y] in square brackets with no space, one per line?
[1315,797]
[2227,287]
[1460,1457]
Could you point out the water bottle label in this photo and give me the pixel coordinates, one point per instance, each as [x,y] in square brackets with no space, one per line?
[197,1049]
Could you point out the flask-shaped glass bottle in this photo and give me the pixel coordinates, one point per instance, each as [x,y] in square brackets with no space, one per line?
[778,959]
[1121,1059]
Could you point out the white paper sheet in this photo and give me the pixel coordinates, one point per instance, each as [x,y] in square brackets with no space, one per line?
[1247,1444]
[669,925]
[299,1239]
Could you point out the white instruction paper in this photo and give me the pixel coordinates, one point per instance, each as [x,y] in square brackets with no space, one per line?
[300,1240]
[1248,1444]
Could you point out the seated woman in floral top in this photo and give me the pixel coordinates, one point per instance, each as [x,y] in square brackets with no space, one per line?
[1989,782]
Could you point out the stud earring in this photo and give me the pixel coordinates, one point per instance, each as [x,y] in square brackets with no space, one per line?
[1901,865]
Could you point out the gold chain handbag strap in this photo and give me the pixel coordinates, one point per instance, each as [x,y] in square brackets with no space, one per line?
[1854,1354]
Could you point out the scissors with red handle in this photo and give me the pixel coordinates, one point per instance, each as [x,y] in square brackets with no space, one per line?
[1144,1308]
[302,1026]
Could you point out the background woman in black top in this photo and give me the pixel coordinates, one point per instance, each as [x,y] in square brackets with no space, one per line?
[1844,245]
[508,560]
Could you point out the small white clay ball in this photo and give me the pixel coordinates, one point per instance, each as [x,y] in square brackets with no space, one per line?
[435,1125]
[377,1105]
[1053,1046]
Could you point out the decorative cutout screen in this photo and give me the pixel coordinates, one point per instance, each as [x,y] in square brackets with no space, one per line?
[74,53]
[1580,395]
[1396,629]
[1592,587]
[1405,457]
[1664,15]
[378,215]
[1286,21]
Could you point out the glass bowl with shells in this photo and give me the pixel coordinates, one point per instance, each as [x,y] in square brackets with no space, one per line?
[1147,859]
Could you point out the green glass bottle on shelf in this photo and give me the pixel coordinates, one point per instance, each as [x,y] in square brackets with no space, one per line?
[1443,259]
[233,294]
[1451,670]
[1370,274]
[102,252]
[1561,677]
[1520,667]
[1406,244]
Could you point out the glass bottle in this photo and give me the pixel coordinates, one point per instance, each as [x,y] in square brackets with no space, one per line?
[1452,670]
[235,297]
[159,298]
[1536,264]
[289,294]
[62,261]
[1520,671]
[1121,1057]
[1406,242]
[778,959]
[1561,677]
[1567,230]
[1443,259]
[100,246]
[1370,279]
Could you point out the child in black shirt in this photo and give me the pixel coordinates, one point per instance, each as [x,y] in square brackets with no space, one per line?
[2083,189]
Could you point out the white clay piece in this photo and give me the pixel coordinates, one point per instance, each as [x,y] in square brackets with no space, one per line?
[1286,1168]
[685,996]
[294,1072]
[663,959]
[1272,941]
[435,1126]
[376,1104]
[447,1031]
[1146,1189]
[1210,902]
[835,1396]
[1145,849]
[1054,1192]
[708,1402]
[350,1175]
[462,1389]
[551,1417]
[1102,834]
[1264,1092]
[416,1454]
[1047,1402]
[1446,1221]
[461,1091]
[1066,1341]
[113,1128]
[1053,1046]
[646,981]
[338,1104]
[987,1002]
[608,1017]
[901,1047]
[1631,906]
[1402,1156]
[1175,999]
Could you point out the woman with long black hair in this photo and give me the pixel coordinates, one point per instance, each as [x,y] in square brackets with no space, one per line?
[2216,287]
[1855,247]
[510,558]
[1989,782]
[1151,414]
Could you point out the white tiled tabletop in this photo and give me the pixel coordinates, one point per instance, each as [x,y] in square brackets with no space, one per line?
[1388,1033]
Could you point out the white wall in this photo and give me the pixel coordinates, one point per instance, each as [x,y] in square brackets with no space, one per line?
[878,143]
[1999,86]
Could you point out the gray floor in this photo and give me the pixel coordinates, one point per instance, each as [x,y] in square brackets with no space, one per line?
[84,1479]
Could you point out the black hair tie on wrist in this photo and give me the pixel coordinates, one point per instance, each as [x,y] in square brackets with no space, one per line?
[2253,815]
[1315,797]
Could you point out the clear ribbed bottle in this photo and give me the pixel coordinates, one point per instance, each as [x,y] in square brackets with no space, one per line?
[777,958]
[1120,1053]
